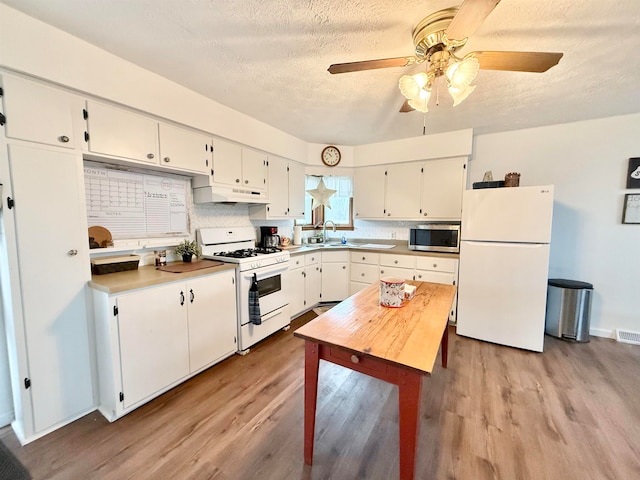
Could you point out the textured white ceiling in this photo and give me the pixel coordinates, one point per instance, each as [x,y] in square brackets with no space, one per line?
[269,59]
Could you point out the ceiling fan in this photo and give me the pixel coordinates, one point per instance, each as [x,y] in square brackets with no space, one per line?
[436,39]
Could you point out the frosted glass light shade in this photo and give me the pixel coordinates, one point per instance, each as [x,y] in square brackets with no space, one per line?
[420,105]
[411,85]
[459,94]
[461,74]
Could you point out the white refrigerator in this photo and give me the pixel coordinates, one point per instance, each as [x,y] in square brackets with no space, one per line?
[504,263]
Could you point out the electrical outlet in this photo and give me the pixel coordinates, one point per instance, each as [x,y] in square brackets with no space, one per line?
[393,235]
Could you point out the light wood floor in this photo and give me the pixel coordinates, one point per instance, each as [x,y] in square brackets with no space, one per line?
[495,413]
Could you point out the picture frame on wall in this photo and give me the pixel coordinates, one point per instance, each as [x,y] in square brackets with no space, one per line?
[631,210]
[633,175]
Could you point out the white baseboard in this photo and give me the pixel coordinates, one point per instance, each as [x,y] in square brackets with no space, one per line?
[601,332]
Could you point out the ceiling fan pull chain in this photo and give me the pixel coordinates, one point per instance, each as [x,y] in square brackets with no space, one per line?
[424,124]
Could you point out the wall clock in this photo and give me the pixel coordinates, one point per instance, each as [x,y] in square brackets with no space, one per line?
[331,156]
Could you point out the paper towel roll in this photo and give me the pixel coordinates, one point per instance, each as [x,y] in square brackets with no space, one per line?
[297,235]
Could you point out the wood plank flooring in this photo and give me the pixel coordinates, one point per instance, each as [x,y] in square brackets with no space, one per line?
[495,413]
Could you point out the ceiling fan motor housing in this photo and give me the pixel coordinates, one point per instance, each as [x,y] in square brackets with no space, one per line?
[429,35]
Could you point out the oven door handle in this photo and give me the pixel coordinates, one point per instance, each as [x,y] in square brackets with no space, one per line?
[262,275]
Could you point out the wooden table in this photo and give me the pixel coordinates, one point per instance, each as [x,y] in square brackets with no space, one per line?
[397,345]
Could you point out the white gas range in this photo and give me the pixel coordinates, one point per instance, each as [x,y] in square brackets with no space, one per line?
[269,268]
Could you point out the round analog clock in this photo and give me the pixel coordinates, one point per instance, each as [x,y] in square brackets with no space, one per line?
[331,156]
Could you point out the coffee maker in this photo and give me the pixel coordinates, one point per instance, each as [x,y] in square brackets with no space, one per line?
[269,237]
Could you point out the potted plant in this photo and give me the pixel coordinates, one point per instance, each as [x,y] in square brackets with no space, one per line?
[187,249]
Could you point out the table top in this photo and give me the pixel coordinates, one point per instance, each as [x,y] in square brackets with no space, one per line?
[408,336]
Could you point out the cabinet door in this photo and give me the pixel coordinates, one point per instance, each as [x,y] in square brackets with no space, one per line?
[297,301]
[184,150]
[120,133]
[39,113]
[227,163]
[254,169]
[296,190]
[154,344]
[278,188]
[442,186]
[404,273]
[335,281]
[52,283]
[368,192]
[212,318]
[312,285]
[402,195]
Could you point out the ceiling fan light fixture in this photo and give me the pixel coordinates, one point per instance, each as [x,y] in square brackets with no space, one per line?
[460,74]
[459,94]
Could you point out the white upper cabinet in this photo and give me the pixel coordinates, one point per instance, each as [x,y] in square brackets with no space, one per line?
[442,184]
[184,150]
[402,196]
[368,191]
[286,191]
[39,113]
[254,169]
[227,163]
[117,132]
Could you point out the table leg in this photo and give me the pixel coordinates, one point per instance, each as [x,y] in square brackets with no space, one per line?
[409,389]
[311,363]
[445,346]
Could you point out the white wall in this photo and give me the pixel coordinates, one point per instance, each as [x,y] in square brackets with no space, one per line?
[587,162]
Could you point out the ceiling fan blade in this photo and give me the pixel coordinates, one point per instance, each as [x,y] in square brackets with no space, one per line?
[406,107]
[470,16]
[517,61]
[371,64]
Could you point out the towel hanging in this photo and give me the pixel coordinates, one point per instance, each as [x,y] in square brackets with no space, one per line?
[254,302]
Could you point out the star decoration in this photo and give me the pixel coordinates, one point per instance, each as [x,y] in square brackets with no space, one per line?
[321,195]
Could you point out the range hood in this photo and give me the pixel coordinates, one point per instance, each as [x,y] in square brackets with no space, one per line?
[228,194]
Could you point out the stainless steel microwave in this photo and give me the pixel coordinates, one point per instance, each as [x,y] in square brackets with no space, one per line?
[435,237]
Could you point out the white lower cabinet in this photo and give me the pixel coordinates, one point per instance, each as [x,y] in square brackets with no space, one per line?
[304,279]
[400,266]
[439,270]
[335,276]
[364,270]
[150,340]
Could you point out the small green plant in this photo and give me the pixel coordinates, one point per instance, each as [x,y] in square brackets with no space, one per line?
[188,248]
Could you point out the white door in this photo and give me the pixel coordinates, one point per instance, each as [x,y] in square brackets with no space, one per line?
[184,150]
[40,113]
[254,169]
[118,132]
[53,270]
[502,291]
[296,190]
[278,188]
[227,163]
[516,214]
[402,199]
[154,344]
[213,324]
[442,186]
[335,281]
[368,192]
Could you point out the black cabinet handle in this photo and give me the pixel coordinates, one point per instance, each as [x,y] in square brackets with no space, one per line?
[192,295]
[181,298]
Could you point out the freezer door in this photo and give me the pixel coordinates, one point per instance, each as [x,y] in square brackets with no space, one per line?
[517,214]
[502,293]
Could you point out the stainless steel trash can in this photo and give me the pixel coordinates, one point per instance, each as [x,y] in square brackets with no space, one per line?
[568,309]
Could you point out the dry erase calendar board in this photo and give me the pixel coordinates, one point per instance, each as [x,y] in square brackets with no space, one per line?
[135,205]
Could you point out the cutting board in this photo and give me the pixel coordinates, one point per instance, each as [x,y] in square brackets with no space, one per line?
[181,267]
[101,236]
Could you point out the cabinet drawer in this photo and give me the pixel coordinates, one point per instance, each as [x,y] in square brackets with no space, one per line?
[364,273]
[340,256]
[405,273]
[355,361]
[435,277]
[312,258]
[365,257]
[296,262]
[400,261]
[437,264]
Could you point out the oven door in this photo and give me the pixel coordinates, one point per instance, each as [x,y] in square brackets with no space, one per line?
[272,290]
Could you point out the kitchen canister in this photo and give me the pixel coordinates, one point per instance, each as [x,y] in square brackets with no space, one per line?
[512,179]
[391,292]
